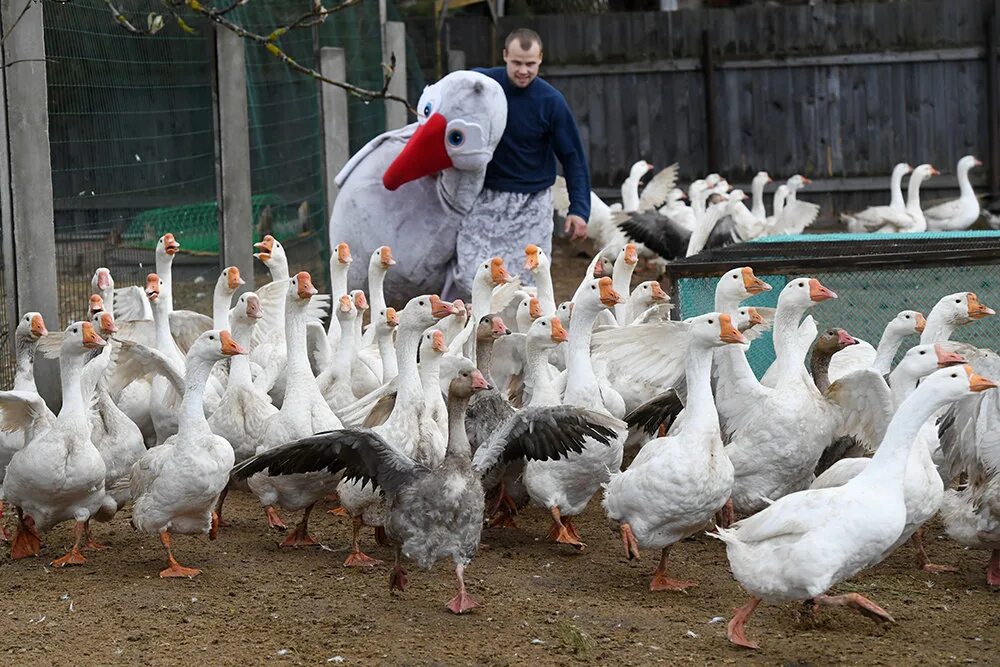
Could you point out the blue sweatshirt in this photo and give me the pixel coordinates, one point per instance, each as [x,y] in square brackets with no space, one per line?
[540,128]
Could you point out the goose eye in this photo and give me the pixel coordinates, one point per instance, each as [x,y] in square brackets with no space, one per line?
[734,277]
[923,352]
[958,301]
[906,316]
[593,287]
[456,138]
[420,303]
[954,375]
[211,337]
[711,321]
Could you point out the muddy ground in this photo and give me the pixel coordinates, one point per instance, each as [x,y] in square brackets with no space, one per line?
[540,603]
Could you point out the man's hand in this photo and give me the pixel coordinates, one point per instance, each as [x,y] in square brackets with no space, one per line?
[576,227]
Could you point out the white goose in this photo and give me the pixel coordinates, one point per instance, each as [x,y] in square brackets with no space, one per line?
[565,487]
[961,213]
[175,487]
[863,355]
[923,489]
[378,265]
[536,261]
[950,312]
[760,179]
[58,475]
[876,217]
[676,484]
[30,329]
[806,542]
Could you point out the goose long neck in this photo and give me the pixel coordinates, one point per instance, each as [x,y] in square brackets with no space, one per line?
[788,355]
[888,465]
[161,327]
[913,193]
[757,190]
[297,359]
[888,345]
[964,185]
[70,370]
[192,417]
[220,305]
[536,376]
[164,269]
[630,195]
[24,373]
[546,293]
[484,357]
[376,293]
[819,366]
[387,352]
[581,383]
[621,280]
[937,328]
[407,344]
[345,350]
[780,195]
[338,277]
[239,364]
[430,376]
[902,383]
[458,440]
[896,189]
[700,402]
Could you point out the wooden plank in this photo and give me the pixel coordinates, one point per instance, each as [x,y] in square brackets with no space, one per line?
[336,133]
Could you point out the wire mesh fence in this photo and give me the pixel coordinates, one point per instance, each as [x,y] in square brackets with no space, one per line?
[874,278]
[6,335]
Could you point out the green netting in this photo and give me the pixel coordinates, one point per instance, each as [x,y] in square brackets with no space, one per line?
[132,138]
[867,299]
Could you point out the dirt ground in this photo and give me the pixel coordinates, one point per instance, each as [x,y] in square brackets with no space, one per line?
[540,603]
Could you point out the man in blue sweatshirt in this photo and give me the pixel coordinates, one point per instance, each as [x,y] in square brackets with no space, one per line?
[515,205]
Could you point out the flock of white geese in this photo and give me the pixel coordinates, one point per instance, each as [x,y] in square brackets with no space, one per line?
[667,227]
[442,416]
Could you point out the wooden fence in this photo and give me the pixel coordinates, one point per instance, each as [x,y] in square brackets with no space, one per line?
[837,91]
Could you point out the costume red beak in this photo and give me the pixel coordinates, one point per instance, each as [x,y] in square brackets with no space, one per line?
[424,154]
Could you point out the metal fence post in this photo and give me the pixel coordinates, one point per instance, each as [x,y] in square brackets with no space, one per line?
[456,60]
[395,44]
[336,133]
[232,152]
[29,186]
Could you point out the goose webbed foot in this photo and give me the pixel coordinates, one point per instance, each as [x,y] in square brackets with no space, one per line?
[631,545]
[503,511]
[462,602]
[734,631]
[91,543]
[923,562]
[562,530]
[213,530]
[175,569]
[857,602]
[993,570]
[73,556]
[26,540]
[300,537]
[397,578]
[4,535]
[661,582]
[273,520]
[358,558]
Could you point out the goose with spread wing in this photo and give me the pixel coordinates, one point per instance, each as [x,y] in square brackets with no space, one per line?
[436,509]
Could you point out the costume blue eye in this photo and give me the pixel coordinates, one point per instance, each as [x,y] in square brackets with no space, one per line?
[456,137]
[427,109]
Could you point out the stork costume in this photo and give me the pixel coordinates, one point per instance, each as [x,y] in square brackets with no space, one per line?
[384,198]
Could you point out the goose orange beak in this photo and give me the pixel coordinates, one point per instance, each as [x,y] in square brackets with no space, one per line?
[441,309]
[978,382]
[103,279]
[534,308]
[170,244]
[658,294]
[391,318]
[345,304]
[727,332]
[460,307]
[38,327]
[424,154]
[806,181]
[266,247]
[947,358]
[437,342]
[385,256]
[845,338]
[819,293]
[920,324]
[978,310]
[752,284]
[229,345]
[306,289]
[91,340]
[96,304]
[531,257]
[609,297]
[108,323]
[360,301]
[498,271]
[254,310]
[935,172]
[344,253]
[977,162]
[755,316]
[233,278]
[152,286]
[631,254]
[479,382]
[499,328]
[559,333]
